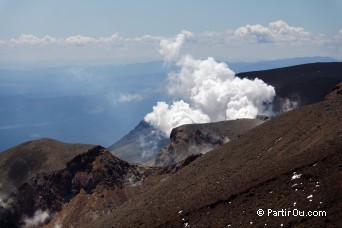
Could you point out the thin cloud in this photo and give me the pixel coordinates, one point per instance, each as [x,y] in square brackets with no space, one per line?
[274,32]
[276,40]
[29,39]
[79,40]
[128,97]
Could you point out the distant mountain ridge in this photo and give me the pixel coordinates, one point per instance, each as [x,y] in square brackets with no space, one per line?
[301,84]
[240,67]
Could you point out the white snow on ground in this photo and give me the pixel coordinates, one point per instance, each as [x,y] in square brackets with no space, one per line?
[295,176]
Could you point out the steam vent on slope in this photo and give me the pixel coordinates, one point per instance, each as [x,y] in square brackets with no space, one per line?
[206,91]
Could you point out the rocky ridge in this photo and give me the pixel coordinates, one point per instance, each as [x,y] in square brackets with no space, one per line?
[95,172]
[192,139]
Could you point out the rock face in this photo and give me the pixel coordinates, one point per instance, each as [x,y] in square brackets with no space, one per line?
[140,145]
[200,138]
[95,171]
[19,164]
[291,162]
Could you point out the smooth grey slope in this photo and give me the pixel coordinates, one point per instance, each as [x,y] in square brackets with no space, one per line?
[139,145]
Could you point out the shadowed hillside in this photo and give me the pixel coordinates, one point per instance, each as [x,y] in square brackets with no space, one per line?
[300,85]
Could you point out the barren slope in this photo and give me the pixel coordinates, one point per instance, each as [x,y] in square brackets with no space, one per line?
[226,186]
[304,84]
[73,183]
[22,162]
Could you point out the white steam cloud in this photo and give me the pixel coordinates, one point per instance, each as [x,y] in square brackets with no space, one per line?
[166,117]
[288,105]
[207,91]
[3,202]
[170,48]
[38,219]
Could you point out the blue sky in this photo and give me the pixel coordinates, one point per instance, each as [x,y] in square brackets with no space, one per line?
[130,19]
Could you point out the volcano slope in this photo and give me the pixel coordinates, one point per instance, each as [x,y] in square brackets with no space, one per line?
[21,163]
[70,184]
[290,162]
[299,85]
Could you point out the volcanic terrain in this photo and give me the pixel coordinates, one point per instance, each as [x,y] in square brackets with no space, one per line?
[295,86]
[207,175]
[290,162]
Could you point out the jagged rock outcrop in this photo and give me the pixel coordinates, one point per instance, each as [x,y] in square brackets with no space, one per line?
[200,138]
[51,189]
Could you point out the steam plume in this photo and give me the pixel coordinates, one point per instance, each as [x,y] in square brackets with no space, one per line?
[170,48]
[206,90]
[38,219]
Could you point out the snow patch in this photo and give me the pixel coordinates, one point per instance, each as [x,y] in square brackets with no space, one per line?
[295,176]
